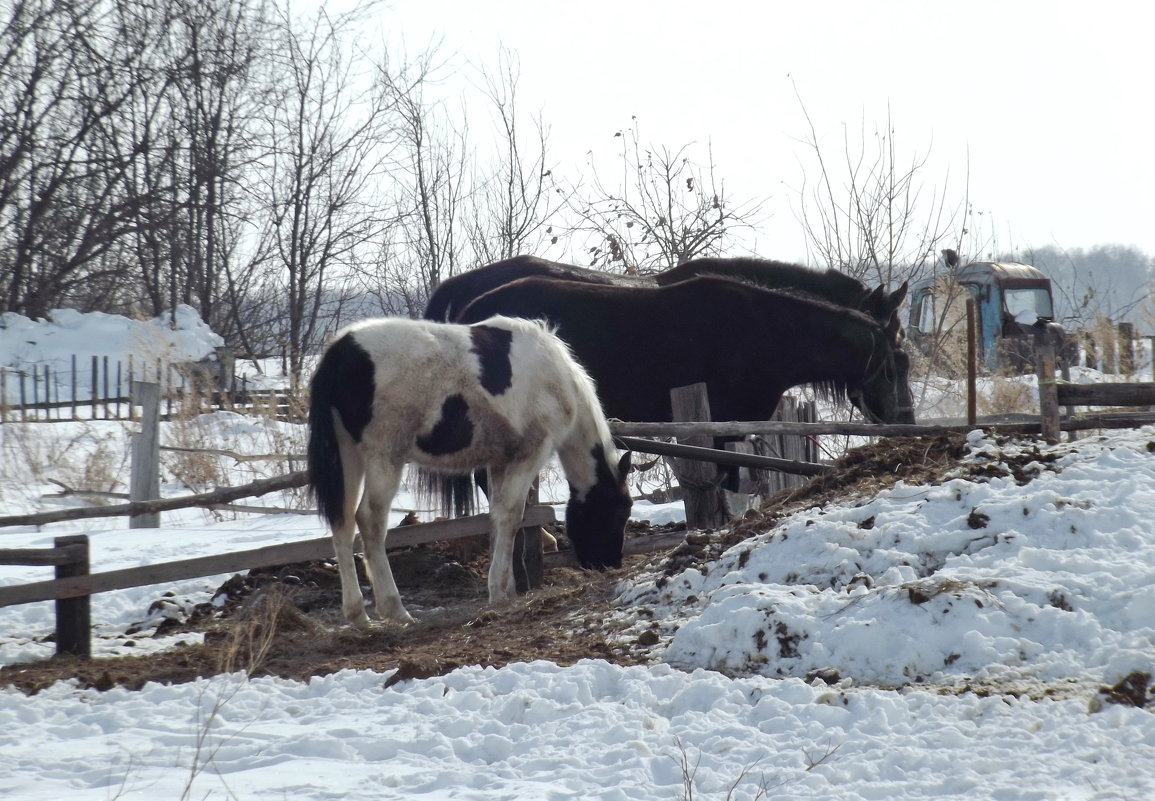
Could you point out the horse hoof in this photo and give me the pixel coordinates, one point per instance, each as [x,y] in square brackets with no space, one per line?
[360,621]
[395,615]
[401,618]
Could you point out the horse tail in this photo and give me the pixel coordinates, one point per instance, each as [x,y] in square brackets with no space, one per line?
[326,472]
[454,493]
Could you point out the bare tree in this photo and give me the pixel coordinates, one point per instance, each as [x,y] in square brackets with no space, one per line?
[69,75]
[218,51]
[432,175]
[867,212]
[517,201]
[666,209]
[326,133]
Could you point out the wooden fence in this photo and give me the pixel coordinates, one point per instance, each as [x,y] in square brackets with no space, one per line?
[74,584]
[706,506]
[101,390]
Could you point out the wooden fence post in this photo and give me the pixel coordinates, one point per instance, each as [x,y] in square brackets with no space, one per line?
[145,479]
[1048,391]
[528,552]
[74,615]
[702,494]
[739,502]
[1126,348]
[972,365]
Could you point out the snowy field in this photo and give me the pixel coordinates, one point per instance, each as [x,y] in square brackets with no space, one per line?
[928,642]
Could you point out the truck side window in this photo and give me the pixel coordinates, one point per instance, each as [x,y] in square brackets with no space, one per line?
[926,313]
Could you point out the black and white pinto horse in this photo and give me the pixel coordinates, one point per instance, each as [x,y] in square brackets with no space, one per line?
[503,394]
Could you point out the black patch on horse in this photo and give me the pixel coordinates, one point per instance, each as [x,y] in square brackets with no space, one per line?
[492,347]
[452,433]
[347,365]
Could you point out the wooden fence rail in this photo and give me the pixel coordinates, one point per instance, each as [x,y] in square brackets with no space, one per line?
[75,583]
[260,487]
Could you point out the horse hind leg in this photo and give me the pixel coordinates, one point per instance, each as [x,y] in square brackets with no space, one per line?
[381,483]
[352,602]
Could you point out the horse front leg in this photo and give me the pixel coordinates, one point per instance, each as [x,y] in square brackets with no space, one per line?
[381,482]
[509,487]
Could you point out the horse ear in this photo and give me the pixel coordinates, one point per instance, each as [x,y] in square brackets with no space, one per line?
[624,464]
[898,295]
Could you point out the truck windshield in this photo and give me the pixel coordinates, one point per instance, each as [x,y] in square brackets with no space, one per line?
[1028,305]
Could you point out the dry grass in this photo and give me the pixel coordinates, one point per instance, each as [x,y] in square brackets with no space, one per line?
[1005,395]
[90,457]
[248,643]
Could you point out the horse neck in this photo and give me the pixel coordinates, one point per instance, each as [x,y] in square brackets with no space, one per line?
[852,356]
[588,443]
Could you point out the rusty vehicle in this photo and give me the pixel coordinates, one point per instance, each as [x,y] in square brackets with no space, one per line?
[1012,300]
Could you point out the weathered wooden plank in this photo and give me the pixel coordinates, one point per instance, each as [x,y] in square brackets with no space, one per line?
[223,495]
[40,557]
[1136,394]
[268,556]
[716,456]
[742,428]
[702,494]
[1048,395]
[144,480]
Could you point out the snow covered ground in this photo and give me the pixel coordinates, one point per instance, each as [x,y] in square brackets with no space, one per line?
[927,642]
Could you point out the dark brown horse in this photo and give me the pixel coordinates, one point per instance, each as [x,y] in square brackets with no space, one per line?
[747,343]
[455,293]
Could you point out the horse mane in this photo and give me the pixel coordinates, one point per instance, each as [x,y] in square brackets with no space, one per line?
[829,283]
[830,391]
[586,387]
[796,293]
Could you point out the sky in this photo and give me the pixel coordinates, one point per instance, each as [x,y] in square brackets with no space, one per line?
[963,631]
[1037,112]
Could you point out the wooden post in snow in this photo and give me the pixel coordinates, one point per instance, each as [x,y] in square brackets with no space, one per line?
[144,484]
[972,366]
[702,493]
[1048,389]
[528,552]
[74,615]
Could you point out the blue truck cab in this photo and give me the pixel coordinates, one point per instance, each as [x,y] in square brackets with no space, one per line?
[1010,298]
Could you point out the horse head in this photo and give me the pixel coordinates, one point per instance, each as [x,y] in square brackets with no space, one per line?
[595,522]
[884,395]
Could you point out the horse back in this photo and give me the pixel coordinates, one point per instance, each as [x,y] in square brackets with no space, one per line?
[455,397]
[637,343]
[455,293]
